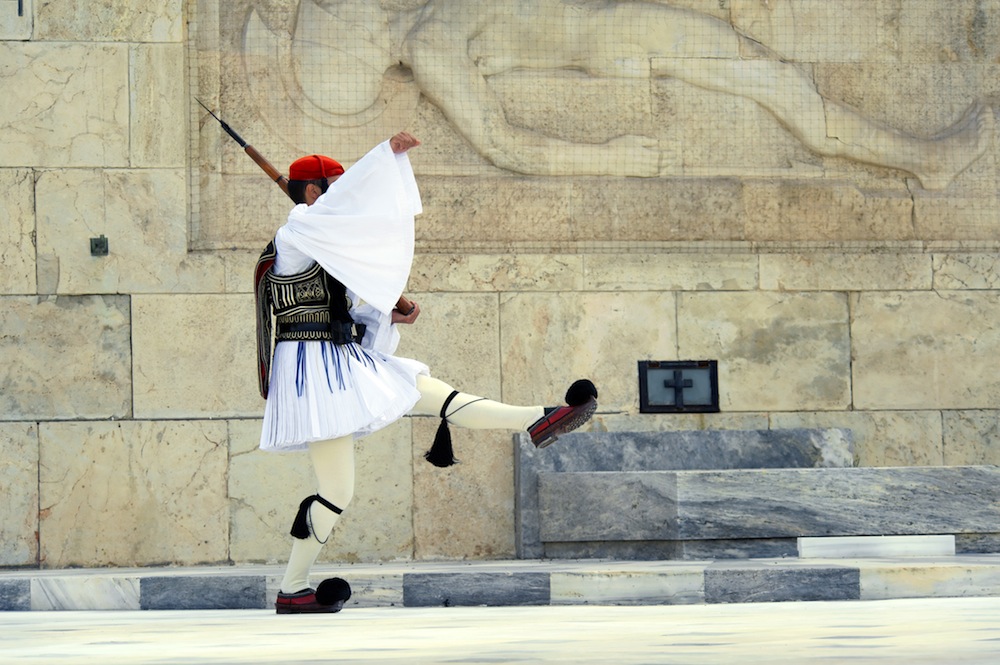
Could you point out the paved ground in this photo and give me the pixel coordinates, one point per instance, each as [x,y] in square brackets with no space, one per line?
[941,630]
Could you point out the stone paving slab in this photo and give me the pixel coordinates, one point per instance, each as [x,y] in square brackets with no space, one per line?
[513,583]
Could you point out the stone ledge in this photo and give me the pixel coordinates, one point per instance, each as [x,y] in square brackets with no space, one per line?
[767,503]
[847,547]
[665,451]
[513,583]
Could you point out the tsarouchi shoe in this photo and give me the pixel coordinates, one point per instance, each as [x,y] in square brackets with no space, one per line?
[303,602]
[582,403]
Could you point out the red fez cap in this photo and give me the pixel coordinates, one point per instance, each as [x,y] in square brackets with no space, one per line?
[314,167]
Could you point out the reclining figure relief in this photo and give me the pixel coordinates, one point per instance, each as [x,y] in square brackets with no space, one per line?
[452,48]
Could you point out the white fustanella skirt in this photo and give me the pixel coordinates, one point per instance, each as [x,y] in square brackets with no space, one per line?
[321,390]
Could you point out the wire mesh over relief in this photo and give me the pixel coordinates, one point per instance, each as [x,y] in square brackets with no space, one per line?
[559,126]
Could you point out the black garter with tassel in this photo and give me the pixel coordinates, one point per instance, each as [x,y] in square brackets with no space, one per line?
[441,453]
[300,527]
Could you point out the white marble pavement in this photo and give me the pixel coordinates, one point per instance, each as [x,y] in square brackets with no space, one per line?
[913,631]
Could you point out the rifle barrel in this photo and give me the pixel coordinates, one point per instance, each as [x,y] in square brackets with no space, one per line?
[252,152]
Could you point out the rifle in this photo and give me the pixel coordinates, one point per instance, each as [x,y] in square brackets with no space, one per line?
[258,158]
[403,305]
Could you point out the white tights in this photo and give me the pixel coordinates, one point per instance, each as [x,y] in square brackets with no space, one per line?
[333,462]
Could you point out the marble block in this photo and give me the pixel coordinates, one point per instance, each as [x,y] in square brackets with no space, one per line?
[17,224]
[65,357]
[666,451]
[925,350]
[883,438]
[841,547]
[670,271]
[378,525]
[768,503]
[970,437]
[142,214]
[494,272]
[962,576]
[609,506]
[83,89]
[15,595]
[157,139]
[977,543]
[845,272]
[966,271]
[367,590]
[683,587]
[112,20]
[371,588]
[782,210]
[776,351]
[203,592]
[758,584]
[264,491]
[459,341]
[465,510]
[660,550]
[170,370]
[968,212]
[735,548]
[85,593]
[474,589]
[16,20]
[19,480]
[133,493]
[604,330]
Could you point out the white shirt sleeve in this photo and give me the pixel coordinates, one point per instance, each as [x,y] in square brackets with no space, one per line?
[380,334]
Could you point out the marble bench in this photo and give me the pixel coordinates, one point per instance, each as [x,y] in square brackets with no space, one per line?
[626,452]
[760,512]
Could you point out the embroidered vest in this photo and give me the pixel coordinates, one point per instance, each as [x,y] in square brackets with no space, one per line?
[308,306]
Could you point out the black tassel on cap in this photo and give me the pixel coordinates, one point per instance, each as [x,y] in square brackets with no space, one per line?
[441,453]
[581,391]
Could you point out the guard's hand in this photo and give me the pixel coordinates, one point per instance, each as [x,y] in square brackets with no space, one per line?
[402,142]
[400,317]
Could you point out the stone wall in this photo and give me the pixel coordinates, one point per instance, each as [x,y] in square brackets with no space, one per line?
[832,293]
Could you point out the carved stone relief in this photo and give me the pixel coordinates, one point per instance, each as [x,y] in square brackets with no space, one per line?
[340,76]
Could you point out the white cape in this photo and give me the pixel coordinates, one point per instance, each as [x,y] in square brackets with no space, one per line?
[361,230]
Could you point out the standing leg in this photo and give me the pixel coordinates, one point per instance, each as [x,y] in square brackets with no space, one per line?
[333,463]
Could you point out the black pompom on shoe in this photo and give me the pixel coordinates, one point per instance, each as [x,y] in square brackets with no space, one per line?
[581,391]
[334,592]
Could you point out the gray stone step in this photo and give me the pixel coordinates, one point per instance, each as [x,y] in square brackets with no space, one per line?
[597,510]
[666,451]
